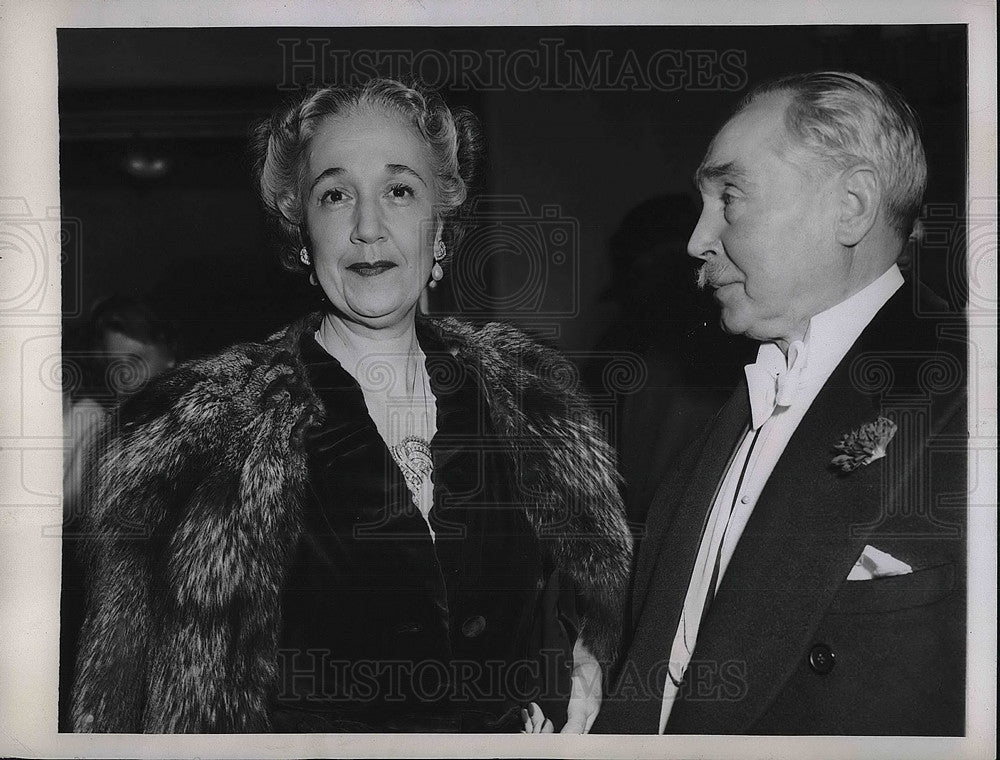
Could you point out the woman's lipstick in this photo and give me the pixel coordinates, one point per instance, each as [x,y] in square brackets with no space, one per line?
[372,269]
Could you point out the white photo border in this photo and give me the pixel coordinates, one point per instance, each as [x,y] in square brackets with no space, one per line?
[29,566]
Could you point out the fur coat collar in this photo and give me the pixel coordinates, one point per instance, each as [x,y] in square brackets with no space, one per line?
[195,512]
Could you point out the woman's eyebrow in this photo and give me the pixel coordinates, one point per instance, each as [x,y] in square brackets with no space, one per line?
[333,171]
[404,169]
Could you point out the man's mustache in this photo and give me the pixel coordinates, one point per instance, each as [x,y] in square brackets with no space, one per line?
[710,274]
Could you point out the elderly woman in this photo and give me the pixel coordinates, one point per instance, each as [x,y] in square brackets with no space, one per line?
[371,521]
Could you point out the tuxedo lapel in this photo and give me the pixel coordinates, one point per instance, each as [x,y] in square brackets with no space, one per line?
[794,553]
[678,511]
[681,504]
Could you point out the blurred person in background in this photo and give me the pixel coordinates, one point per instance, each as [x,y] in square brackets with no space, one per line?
[123,345]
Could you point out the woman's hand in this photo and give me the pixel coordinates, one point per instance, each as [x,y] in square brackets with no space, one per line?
[535,721]
[586,694]
[584,701]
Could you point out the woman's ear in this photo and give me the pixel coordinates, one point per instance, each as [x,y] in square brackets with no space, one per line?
[861,198]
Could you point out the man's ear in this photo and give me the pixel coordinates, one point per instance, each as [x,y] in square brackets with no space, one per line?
[861,198]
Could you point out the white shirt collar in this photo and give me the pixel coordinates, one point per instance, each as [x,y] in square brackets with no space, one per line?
[773,379]
[832,332]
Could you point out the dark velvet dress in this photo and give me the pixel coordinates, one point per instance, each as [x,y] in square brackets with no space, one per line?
[387,629]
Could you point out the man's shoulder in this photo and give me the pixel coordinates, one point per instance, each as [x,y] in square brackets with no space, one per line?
[913,318]
[915,346]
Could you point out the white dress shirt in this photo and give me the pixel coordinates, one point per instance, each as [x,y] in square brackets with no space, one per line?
[795,382]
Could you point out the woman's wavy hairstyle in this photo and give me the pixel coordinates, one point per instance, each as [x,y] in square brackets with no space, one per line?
[279,145]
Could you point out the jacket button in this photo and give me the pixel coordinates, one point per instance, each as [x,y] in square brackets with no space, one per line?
[821,659]
[473,626]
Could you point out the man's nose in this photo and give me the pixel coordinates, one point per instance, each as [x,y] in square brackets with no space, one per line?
[368,223]
[704,240]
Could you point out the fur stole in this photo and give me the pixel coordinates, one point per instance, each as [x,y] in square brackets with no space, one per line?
[195,514]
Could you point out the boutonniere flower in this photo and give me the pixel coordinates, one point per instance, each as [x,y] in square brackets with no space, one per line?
[865,445]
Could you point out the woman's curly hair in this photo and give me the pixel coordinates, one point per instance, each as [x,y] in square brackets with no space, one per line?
[279,145]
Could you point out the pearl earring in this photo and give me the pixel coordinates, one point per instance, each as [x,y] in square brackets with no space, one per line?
[307,260]
[436,271]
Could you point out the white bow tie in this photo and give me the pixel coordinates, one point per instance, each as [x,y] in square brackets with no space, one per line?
[772,380]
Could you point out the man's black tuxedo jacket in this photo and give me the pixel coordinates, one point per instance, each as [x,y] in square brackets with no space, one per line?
[789,646]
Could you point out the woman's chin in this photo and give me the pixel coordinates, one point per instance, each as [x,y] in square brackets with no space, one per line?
[378,313]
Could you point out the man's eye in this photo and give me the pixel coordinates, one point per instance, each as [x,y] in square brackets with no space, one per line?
[332,196]
[401,191]
[727,198]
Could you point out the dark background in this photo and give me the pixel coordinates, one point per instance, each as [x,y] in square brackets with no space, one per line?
[195,242]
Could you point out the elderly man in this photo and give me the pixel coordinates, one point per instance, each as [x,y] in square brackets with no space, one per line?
[803,569]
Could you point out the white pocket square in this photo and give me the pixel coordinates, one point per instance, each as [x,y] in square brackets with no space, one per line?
[874,563]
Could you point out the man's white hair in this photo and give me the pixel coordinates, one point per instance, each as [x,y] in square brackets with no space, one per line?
[847,120]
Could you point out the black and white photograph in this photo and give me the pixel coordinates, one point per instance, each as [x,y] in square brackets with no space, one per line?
[388,381]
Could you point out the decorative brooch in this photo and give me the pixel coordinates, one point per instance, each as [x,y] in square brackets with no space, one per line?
[863,446]
[414,459]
